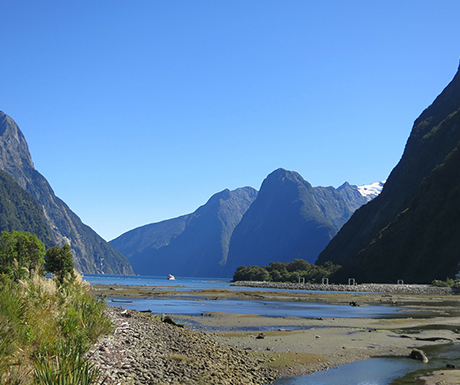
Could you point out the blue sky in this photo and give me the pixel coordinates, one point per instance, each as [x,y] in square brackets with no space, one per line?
[139,111]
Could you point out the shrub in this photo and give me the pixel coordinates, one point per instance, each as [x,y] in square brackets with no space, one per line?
[60,262]
[45,329]
[20,254]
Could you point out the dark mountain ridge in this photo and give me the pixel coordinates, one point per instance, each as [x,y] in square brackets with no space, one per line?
[91,253]
[409,231]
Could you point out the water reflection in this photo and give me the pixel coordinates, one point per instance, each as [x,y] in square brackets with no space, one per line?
[183,306]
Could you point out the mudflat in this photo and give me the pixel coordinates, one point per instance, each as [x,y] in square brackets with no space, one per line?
[294,346]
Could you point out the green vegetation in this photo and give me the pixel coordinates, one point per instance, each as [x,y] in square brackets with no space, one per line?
[19,210]
[286,272]
[46,325]
[20,253]
[449,282]
[59,261]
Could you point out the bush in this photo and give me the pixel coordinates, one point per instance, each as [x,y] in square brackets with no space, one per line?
[45,329]
[20,254]
[67,367]
[59,261]
[449,282]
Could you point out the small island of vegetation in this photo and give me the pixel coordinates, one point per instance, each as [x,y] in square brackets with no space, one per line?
[286,272]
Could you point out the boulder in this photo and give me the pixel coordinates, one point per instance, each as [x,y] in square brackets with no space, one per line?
[418,354]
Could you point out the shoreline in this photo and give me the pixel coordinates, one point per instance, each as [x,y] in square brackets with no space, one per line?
[363,287]
[295,346]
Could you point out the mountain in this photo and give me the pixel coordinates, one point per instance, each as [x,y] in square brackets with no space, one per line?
[91,253]
[290,219]
[20,211]
[191,245]
[410,231]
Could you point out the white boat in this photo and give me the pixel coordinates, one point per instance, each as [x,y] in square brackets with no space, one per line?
[171,277]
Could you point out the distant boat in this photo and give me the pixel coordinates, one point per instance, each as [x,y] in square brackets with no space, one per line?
[171,277]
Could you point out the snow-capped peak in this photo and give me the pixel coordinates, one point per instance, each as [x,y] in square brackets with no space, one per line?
[370,191]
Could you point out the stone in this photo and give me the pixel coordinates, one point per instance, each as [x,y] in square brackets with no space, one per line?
[418,354]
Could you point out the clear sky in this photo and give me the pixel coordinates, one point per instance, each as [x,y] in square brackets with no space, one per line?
[138,111]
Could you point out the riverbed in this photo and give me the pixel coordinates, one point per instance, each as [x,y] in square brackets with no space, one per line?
[341,328]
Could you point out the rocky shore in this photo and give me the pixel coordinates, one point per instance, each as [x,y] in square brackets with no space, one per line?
[365,287]
[145,350]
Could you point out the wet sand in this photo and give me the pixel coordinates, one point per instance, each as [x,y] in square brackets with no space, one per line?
[300,345]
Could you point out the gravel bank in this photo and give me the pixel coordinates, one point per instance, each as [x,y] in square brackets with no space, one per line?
[365,287]
[145,350]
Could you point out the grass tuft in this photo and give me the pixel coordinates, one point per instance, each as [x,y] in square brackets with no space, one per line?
[45,330]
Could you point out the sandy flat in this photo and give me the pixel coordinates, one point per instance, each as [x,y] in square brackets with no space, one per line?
[442,377]
[338,340]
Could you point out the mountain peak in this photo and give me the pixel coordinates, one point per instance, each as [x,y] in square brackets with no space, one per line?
[195,244]
[370,191]
[14,151]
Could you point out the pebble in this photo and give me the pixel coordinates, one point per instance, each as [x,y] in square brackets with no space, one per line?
[144,350]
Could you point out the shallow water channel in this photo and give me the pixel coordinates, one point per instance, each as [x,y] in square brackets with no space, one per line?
[197,306]
[381,371]
[193,304]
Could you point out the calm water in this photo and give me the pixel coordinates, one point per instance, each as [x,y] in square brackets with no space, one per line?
[376,371]
[181,283]
[192,304]
[196,306]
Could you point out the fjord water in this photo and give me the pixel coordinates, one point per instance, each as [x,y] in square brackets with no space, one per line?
[193,304]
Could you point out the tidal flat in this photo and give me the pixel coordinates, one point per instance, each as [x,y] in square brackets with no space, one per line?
[292,346]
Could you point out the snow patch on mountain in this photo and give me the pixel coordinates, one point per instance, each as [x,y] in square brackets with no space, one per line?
[370,191]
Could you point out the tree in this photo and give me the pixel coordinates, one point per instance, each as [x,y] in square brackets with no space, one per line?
[20,253]
[59,261]
[286,272]
[251,273]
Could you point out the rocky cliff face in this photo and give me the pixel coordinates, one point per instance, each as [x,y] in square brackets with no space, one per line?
[410,230]
[191,245]
[290,219]
[91,253]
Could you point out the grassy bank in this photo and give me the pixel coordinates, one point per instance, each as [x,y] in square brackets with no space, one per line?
[46,327]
